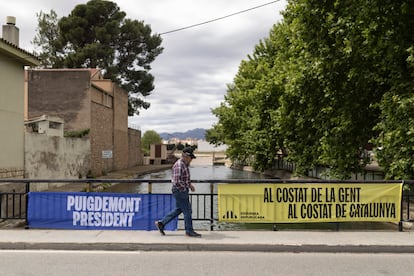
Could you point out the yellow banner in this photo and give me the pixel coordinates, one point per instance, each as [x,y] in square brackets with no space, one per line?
[310,202]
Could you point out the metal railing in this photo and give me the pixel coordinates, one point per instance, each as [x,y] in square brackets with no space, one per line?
[319,172]
[13,204]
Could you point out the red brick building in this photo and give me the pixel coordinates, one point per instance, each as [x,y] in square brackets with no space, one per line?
[88,104]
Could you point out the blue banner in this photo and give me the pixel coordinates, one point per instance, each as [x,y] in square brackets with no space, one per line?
[56,210]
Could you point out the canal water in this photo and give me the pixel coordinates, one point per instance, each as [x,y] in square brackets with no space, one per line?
[202,169]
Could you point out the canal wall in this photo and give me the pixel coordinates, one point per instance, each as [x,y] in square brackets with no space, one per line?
[209,159]
[279,174]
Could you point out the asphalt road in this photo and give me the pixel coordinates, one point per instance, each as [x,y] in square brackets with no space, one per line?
[201,263]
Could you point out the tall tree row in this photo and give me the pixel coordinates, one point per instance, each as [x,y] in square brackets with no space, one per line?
[331,78]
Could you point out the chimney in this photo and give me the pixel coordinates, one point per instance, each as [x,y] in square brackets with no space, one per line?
[10,31]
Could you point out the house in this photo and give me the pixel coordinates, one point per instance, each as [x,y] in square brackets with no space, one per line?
[89,105]
[49,125]
[12,62]
[158,155]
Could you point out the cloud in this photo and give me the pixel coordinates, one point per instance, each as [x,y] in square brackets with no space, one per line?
[192,73]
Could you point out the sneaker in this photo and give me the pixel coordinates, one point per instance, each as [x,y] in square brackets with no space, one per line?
[160,227]
[193,234]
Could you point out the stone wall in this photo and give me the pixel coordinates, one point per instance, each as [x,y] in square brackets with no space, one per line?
[53,157]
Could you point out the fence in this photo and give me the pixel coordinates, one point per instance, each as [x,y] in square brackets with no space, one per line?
[13,204]
[368,174]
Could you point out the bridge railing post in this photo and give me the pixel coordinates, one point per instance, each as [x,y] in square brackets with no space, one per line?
[212,206]
[26,222]
[400,223]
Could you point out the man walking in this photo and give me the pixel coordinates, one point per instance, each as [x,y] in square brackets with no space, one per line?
[181,184]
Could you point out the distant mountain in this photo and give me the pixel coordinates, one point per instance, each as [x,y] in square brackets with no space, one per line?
[197,133]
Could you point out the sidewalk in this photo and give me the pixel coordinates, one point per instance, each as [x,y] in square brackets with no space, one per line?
[263,241]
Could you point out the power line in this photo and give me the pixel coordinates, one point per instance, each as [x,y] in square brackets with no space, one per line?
[219,18]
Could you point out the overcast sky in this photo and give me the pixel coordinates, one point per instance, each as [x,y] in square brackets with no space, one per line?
[197,63]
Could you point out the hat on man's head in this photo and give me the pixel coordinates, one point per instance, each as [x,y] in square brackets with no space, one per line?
[189,152]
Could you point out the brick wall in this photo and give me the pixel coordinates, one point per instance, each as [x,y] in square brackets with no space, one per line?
[11,172]
[101,136]
[62,93]
[134,148]
[120,128]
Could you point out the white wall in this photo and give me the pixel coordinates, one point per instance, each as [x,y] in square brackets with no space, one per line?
[204,146]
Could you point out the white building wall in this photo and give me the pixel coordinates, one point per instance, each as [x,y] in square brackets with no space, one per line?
[204,146]
[11,119]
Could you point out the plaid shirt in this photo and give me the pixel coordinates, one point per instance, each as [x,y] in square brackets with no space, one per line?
[181,176]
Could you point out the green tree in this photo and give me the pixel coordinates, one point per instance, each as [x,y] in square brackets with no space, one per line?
[149,137]
[396,140]
[97,35]
[327,116]
[180,146]
[331,77]
[246,118]
[46,38]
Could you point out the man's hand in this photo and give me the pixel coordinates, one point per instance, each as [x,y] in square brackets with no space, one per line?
[192,188]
